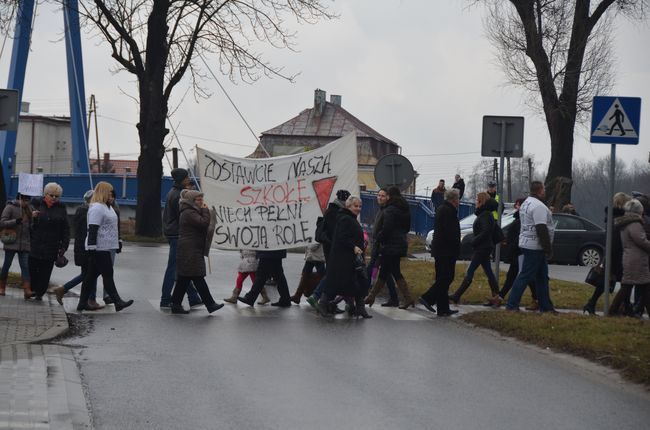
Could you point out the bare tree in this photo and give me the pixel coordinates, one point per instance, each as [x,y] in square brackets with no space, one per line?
[560,53]
[161,41]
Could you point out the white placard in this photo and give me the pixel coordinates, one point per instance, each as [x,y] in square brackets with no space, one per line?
[30,184]
[273,203]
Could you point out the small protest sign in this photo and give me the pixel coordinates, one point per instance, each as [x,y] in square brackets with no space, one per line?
[30,184]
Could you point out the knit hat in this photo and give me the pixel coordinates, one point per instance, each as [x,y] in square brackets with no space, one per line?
[179,175]
[190,195]
[342,195]
[88,195]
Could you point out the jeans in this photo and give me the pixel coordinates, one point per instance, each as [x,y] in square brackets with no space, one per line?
[318,291]
[534,268]
[23,260]
[92,295]
[170,278]
[482,258]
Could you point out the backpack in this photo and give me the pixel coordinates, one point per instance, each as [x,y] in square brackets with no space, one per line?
[321,233]
[497,234]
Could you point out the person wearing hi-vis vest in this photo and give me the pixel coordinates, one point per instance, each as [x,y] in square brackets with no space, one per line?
[492,191]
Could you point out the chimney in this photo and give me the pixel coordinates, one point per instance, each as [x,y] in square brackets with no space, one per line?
[319,102]
[24,107]
[335,99]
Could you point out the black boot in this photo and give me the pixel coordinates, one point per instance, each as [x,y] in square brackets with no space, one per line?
[176,309]
[121,304]
[323,307]
[459,292]
[214,307]
[360,309]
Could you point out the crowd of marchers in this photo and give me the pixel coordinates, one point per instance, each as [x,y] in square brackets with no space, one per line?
[336,266]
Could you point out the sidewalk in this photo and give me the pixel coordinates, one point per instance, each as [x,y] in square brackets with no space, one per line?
[40,385]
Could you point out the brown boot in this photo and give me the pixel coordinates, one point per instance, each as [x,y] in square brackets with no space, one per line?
[3,286]
[406,294]
[301,288]
[265,297]
[27,286]
[59,292]
[93,305]
[233,299]
[376,289]
[534,306]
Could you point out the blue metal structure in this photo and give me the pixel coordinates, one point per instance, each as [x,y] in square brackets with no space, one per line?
[76,93]
[16,81]
[75,185]
[422,214]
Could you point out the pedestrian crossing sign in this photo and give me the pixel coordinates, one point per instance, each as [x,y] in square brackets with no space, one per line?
[615,120]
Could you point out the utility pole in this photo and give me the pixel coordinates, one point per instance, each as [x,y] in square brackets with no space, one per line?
[93,110]
[530,172]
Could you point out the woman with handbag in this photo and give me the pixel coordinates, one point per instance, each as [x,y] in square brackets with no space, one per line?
[636,266]
[482,244]
[15,221]
[50,237]
[101,240]
[345,266]
[617,256]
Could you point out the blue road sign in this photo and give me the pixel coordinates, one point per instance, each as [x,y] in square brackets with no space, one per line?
[615,120]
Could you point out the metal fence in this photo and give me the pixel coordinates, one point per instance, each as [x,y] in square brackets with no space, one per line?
[422,212]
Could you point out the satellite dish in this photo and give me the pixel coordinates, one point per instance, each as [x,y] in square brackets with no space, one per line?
[394,170]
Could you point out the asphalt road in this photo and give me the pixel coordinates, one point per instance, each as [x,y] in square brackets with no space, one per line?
[268,368]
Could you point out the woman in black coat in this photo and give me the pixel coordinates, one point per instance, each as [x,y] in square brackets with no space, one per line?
[482,244]
[617,254]
[50,236]
[344,277]
[392,244]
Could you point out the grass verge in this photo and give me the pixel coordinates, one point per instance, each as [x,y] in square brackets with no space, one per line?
[620,343]
[143,239]
[420,275]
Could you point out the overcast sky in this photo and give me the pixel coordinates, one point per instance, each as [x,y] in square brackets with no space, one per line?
[419,72]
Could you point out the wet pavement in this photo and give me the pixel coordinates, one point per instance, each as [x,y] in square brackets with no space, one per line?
[40,384]
[268,368]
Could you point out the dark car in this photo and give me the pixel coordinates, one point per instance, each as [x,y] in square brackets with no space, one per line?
[577,241]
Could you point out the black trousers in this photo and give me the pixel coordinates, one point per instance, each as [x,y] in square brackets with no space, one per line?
[390,266]
[99,263]
[438,294]
[40,272]
[266,269]
[513,270]
[183,282]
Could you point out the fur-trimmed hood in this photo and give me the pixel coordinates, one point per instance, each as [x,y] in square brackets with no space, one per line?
[627,219]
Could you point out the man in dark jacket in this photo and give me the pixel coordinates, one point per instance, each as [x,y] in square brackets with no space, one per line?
[445,248]
[270,265]
[375,260]
[171,216]
[459,185]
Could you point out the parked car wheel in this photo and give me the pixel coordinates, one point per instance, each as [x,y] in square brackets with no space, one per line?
[590,256]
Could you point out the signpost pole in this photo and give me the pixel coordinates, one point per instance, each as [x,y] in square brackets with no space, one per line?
[610,226]
[502,155]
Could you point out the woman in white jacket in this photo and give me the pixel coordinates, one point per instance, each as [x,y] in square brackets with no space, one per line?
[102,239]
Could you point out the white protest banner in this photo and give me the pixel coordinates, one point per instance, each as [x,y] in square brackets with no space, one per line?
[273,203]
[30,184]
